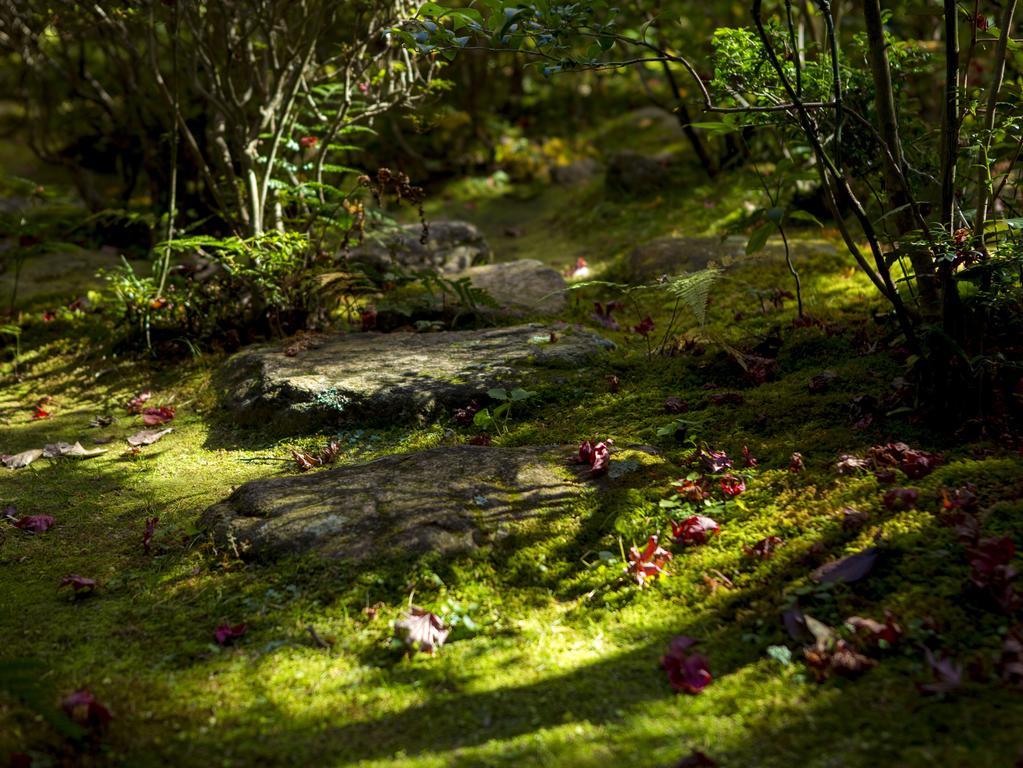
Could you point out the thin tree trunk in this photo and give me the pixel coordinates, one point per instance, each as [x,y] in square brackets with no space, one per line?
[899,200]
[685,122]
[949,151]
[949,155]
[984,185]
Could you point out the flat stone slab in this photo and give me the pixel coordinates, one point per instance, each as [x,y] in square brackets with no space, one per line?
[393,377]
[526,286]
[445,500]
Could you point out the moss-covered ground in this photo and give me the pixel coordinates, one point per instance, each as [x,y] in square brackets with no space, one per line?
[559,663]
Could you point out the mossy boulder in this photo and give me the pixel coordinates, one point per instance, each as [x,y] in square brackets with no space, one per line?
[674,255]
[636,175]
[526,286]
[377,378]
[450,246]
[446,500]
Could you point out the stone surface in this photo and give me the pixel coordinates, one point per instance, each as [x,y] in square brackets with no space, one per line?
[675,255]
[445,500]
[577,172]
[390,378]
[527,286]
[635,174]
[452,246]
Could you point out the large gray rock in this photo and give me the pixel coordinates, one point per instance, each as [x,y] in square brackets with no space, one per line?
[395,377]
[634,174]
[675,255]
[524,286]
[574,173]
[445,500]
[452,246]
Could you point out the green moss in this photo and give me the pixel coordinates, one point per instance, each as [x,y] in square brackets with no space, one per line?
[563,668]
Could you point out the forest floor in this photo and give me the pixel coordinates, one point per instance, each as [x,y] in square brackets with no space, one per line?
[554,657]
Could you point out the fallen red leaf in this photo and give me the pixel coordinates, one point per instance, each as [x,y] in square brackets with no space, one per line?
[134,406]
[35,523]
[714,461]
[901,499]
[147,534]
[421,630]
[78,583]
[645,327]
[86,710]
[693,491]
[601,459]
[226,633]
[694,530]
[748,460]
[648,563]
[765,548]
[602,314]
[990,570]
[687,672]
[464,416]
[305,461]
[154,417]
[874,632]
[732,486]
[841,659]
[964,498]
[596,454]
[913,462]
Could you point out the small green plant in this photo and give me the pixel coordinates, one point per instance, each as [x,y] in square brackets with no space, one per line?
[498,418]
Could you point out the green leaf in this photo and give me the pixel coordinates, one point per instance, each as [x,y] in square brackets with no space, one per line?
[498,393]
[795,214]
[758,239]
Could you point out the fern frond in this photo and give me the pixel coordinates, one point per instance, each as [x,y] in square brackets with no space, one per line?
[693,289]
